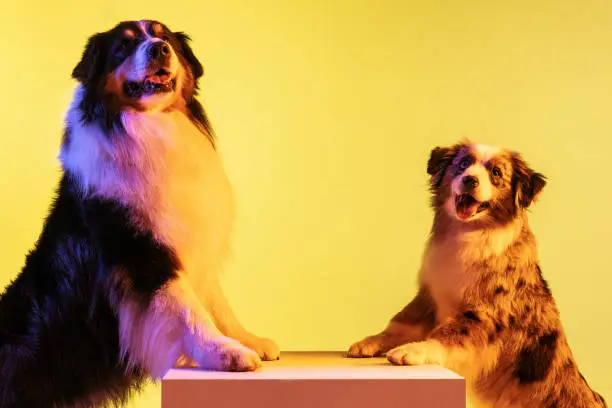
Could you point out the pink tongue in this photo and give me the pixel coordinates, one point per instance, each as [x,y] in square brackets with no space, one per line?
[158,79]
[466,207]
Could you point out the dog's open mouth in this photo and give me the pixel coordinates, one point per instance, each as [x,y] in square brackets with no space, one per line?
[467,206]
[160,82]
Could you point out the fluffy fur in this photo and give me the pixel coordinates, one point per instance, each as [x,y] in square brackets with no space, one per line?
[123,281]
[483,308]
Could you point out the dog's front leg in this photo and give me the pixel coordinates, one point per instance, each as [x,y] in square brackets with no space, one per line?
[468,343]
[412,323]
[224,318]
[173,324]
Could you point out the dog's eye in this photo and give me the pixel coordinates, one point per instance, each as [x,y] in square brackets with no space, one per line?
[496,172]
[464,163]
[124,43]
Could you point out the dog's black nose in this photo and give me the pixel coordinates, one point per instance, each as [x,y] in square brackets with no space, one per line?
[158,50]
[470,182]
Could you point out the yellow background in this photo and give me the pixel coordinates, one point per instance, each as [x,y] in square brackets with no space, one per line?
[326,112]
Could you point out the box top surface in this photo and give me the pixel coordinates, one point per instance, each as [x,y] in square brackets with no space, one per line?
[321,366]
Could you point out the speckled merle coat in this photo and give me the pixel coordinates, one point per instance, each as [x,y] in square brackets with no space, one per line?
[483,308]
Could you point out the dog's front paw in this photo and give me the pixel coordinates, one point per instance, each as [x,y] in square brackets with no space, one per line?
[371,346]
[185,362]
[229,355]
[265,348]
[419,353]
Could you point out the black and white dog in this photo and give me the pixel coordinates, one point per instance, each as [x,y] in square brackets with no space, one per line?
[123,282]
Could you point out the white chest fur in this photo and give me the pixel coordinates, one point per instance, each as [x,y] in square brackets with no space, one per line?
[192,205]
[452,264]
[167,169]
[446,275]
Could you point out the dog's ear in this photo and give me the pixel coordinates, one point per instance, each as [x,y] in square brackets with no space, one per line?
[439,159]
[91,61]
[527,184]
[187,53]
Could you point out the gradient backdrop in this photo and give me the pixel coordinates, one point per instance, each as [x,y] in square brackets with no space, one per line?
[326,112]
